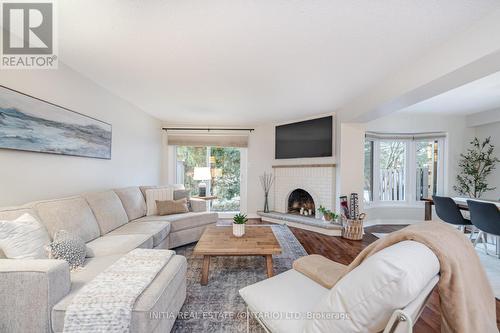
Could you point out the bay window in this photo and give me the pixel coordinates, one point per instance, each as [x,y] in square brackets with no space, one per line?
[402,168]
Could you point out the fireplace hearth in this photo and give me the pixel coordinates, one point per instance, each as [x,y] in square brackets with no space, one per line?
[300,202]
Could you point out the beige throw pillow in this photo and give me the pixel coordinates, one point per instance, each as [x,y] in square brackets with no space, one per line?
[168,207]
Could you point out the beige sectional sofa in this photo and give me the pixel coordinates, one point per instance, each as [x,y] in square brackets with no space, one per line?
[36,293]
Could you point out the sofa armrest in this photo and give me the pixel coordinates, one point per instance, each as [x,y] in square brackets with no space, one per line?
[320,269]
[29,289]
[198,205]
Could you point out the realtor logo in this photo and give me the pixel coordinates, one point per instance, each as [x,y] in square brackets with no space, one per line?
[28,35]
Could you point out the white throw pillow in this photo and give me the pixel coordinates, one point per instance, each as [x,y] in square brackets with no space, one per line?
[388,280]
[160,194]
[23,238]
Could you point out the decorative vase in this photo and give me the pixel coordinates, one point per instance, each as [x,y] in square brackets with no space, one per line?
[266,203]
[238,230]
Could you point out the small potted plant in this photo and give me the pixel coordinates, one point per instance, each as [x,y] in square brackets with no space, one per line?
[239,221]
[328,215]
[333,217]
[323,211]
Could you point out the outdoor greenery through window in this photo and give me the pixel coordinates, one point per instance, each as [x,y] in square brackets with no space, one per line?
[402,169]
[224,164]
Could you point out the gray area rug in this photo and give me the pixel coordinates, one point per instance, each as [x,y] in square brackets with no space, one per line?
[218,307]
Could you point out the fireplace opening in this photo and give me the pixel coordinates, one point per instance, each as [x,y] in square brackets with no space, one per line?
[301,202]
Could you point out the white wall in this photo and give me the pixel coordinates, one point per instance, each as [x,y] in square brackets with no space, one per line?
[482,132]
[260,160]
[352,139]
[136,147]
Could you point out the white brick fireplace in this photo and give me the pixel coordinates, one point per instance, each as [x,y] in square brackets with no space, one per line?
[318,180]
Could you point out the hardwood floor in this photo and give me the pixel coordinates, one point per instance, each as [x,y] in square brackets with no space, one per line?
[344,251]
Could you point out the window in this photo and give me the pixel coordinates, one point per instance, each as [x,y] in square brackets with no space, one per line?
[224,164]
[427,153]
[402,168]
[368,182]
[391,165]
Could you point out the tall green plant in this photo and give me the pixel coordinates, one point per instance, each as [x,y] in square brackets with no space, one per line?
[475,166]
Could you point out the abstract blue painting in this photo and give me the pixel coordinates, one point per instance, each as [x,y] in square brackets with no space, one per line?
[31,124]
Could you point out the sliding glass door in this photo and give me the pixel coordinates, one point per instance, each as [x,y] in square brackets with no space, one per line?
[225,174]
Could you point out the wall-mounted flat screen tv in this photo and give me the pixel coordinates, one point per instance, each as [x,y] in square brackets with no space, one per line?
[310,138]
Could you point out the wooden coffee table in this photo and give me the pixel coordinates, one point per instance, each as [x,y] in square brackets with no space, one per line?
[219,241]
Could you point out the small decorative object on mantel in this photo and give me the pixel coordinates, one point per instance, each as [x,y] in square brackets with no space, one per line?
[266,180]
[239,221]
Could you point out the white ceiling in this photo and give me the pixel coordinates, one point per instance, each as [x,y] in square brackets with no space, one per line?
[240,62]
[477,96]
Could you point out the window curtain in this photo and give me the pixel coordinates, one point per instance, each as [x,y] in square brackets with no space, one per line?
[404,136]
[208,138]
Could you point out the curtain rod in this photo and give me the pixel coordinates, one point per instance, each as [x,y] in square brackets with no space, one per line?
[206,129]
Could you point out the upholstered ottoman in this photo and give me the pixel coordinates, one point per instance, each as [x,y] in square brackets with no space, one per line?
[154,311]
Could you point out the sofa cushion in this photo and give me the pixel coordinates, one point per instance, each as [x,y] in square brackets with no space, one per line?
[108,210]
[397,275]
[133,201]
[184,221]
[165,293]
[12,213]
[273,298]
[158,230]
[181,194]
[148,187]
[70,214]
[154,195]
[118,244]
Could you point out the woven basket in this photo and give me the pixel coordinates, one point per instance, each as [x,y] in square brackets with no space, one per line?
[352,229]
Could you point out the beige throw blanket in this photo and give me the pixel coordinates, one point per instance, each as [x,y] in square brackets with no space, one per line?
[466,298]
[105,304]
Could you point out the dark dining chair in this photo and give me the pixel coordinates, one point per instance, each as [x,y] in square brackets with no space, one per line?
[486,217]
[448,211]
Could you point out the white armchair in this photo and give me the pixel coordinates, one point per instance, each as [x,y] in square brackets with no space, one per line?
[387,292]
